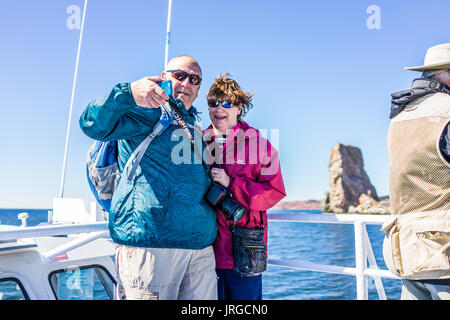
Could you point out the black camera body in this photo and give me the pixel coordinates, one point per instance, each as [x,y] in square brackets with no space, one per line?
[219,197]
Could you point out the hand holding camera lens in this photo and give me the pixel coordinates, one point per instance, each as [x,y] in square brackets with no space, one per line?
[219,197]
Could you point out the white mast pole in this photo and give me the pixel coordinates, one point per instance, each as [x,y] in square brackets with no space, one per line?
[166,56]
[63,175]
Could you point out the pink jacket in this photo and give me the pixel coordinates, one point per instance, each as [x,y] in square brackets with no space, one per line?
[255,182]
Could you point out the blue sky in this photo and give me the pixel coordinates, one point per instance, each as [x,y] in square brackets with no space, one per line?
[318,73]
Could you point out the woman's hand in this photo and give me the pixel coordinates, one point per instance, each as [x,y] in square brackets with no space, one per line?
[220,176]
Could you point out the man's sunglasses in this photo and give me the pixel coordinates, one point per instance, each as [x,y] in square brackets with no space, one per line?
[215,103]
[180,75]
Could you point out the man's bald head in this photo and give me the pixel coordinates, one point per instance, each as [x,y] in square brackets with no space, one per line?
[185,60]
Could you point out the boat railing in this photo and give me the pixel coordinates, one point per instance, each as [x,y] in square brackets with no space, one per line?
[52,230]
[89,232]
[366,265]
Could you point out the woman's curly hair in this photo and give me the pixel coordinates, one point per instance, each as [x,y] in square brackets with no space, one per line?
[225,86]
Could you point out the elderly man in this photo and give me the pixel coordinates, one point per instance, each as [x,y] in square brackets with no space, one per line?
[159,220]
[417,244]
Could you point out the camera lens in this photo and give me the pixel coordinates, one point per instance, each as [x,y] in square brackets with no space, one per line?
[232,210]
[238,213]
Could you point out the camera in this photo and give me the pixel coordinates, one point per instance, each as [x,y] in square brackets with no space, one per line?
[219,197]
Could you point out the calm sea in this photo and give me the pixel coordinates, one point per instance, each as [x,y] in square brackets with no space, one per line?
[310,242]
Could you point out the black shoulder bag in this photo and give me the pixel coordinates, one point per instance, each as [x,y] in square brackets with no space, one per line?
[249,250]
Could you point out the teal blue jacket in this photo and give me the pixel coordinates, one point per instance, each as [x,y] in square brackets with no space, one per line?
[163,205]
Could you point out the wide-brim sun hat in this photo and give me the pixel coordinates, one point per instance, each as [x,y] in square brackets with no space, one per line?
[436,58]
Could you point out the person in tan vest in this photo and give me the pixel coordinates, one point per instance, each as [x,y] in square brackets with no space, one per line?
[417,242]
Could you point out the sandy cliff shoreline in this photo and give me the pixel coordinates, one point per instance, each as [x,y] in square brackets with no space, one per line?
[298,205]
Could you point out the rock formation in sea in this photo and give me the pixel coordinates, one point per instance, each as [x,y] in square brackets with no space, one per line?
[350,188]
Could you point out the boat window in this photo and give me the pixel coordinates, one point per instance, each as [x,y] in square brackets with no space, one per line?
[92,282]
[12,289]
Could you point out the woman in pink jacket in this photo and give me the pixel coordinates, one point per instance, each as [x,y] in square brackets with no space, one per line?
[248,166]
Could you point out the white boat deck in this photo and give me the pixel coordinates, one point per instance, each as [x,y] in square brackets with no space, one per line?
[40,260]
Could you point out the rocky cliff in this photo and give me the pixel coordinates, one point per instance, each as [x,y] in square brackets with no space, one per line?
[350,188]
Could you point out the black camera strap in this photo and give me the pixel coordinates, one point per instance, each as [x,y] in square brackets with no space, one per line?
[179,119]
[177,116]
[262,220]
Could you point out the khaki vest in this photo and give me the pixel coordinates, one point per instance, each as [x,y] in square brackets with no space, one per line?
[419,175]
[417,245]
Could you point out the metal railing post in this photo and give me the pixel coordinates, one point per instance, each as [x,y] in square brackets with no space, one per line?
[361,261]
[78,242]
[373,264]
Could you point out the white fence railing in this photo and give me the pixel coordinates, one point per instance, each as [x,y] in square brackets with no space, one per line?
[89,231]
[363,249]
[52,230]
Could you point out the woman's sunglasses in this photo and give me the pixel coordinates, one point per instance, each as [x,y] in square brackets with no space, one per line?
[180,75]
[215,103]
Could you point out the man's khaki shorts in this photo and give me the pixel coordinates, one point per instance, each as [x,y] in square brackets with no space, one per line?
[165,274]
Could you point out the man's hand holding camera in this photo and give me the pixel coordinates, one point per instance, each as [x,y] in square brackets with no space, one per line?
[147,93]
